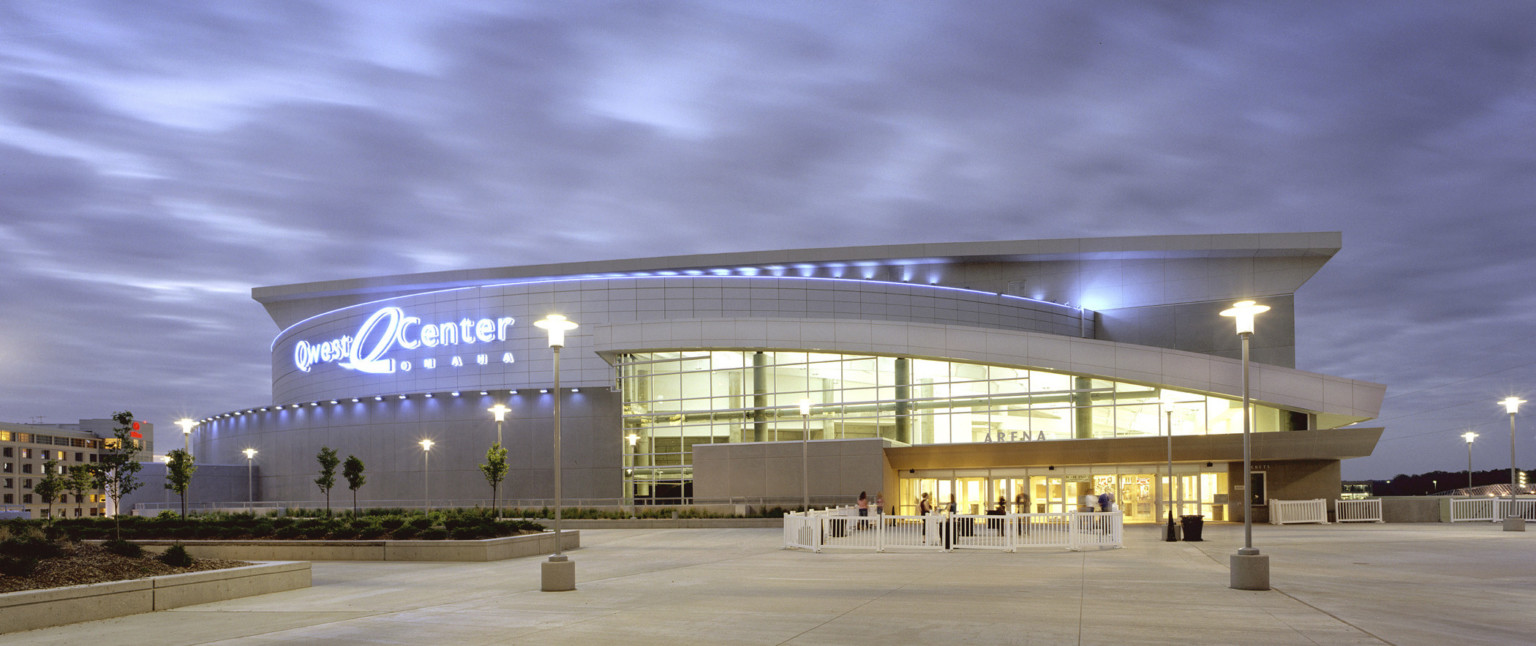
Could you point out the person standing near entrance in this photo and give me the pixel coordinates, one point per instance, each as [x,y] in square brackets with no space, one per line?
[863,509]
[1089,501]
[1021,507]
[879,503]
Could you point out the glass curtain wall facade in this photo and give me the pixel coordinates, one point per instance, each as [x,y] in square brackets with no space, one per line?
[675,400]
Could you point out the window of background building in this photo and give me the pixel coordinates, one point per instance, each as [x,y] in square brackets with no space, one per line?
[26,467]
[26,499]
[79,457]
[8,467]
[8,452]
[10,483]
[26,483]
[10,499]
[26,453]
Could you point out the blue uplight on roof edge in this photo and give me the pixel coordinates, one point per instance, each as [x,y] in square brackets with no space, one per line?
[647,275]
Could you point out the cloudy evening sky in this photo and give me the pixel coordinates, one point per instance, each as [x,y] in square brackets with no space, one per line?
[160,159]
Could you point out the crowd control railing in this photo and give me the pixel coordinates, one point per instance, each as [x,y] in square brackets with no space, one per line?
[1466,510]
[1287,512]
[1524,508]
[839,530]
[1358,511]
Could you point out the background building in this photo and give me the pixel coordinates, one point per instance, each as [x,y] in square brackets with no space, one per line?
[25,449]
[979,370]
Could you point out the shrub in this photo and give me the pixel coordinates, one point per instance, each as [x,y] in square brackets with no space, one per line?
[261,529]
[33,547]
[228,533]
[288,532]
[176,556]
[421,522]
[17,565]
[127,549]
[392,523]
[282,522]
[406,532]
[371,532]
[434,534]
[344,532]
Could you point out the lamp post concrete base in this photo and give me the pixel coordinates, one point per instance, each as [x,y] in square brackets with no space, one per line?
[1250,570]
[558,574]
[1514,523]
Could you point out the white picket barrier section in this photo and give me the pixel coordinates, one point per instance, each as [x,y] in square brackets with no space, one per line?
[1286,512]
[1358,511]
[837,529]
[1098,530]
[1525,508]
[1466,510]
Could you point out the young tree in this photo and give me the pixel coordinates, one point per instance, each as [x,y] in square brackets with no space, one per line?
[79,482]
[116,469]
[327,479]
[50,486]
[178,475]
[352,470]
[495,470]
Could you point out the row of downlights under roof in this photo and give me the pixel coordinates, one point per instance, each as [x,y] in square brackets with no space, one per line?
[355,400]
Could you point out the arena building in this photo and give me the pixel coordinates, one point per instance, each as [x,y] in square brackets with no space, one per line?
[981,370]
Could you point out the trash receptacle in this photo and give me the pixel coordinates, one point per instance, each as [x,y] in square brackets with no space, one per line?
[1192,526]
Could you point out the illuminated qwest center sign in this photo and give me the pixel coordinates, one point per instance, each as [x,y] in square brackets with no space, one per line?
[388,329]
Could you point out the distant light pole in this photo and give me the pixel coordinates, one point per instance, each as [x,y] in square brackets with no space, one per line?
[805,453]
[1249,568]
[559,572]
[426,473]
[1469,436]
[1515,520]
[250,481]
[499,411]
[1172,533]
[186,425]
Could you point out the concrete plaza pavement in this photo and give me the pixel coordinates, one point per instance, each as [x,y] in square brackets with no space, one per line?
[1335,584]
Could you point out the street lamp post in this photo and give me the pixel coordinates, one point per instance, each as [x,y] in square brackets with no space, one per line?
[1469,436]
[805,459]
[250,481]
[559,572]
[1249,568]
[500,413]
[186,433]
[426,473]
[1514,521]
[1172,534]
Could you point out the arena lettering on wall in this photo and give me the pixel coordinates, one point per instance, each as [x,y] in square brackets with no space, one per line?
[389,329]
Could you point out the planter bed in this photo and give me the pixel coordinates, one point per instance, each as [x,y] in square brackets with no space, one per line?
[491,549]
[31,609]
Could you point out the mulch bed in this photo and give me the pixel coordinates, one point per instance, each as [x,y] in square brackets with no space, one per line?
[83,564]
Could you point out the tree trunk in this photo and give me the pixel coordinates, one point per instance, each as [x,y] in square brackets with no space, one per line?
[354,502]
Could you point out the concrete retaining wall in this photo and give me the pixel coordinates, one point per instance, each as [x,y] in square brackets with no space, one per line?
[32,609]
[494,549]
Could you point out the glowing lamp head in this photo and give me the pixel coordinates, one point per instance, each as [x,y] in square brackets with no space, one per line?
[1512,404]
[426,445]
[556,325]
[249,453]
[632,438]
[1469,436]
[186,425]
[499,411]
[1243,312]
[805,407]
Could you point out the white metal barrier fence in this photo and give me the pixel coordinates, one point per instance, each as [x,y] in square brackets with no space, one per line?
[1524,508]
[1465,510]
[1006,533]
[1357,511]
[1285,512]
